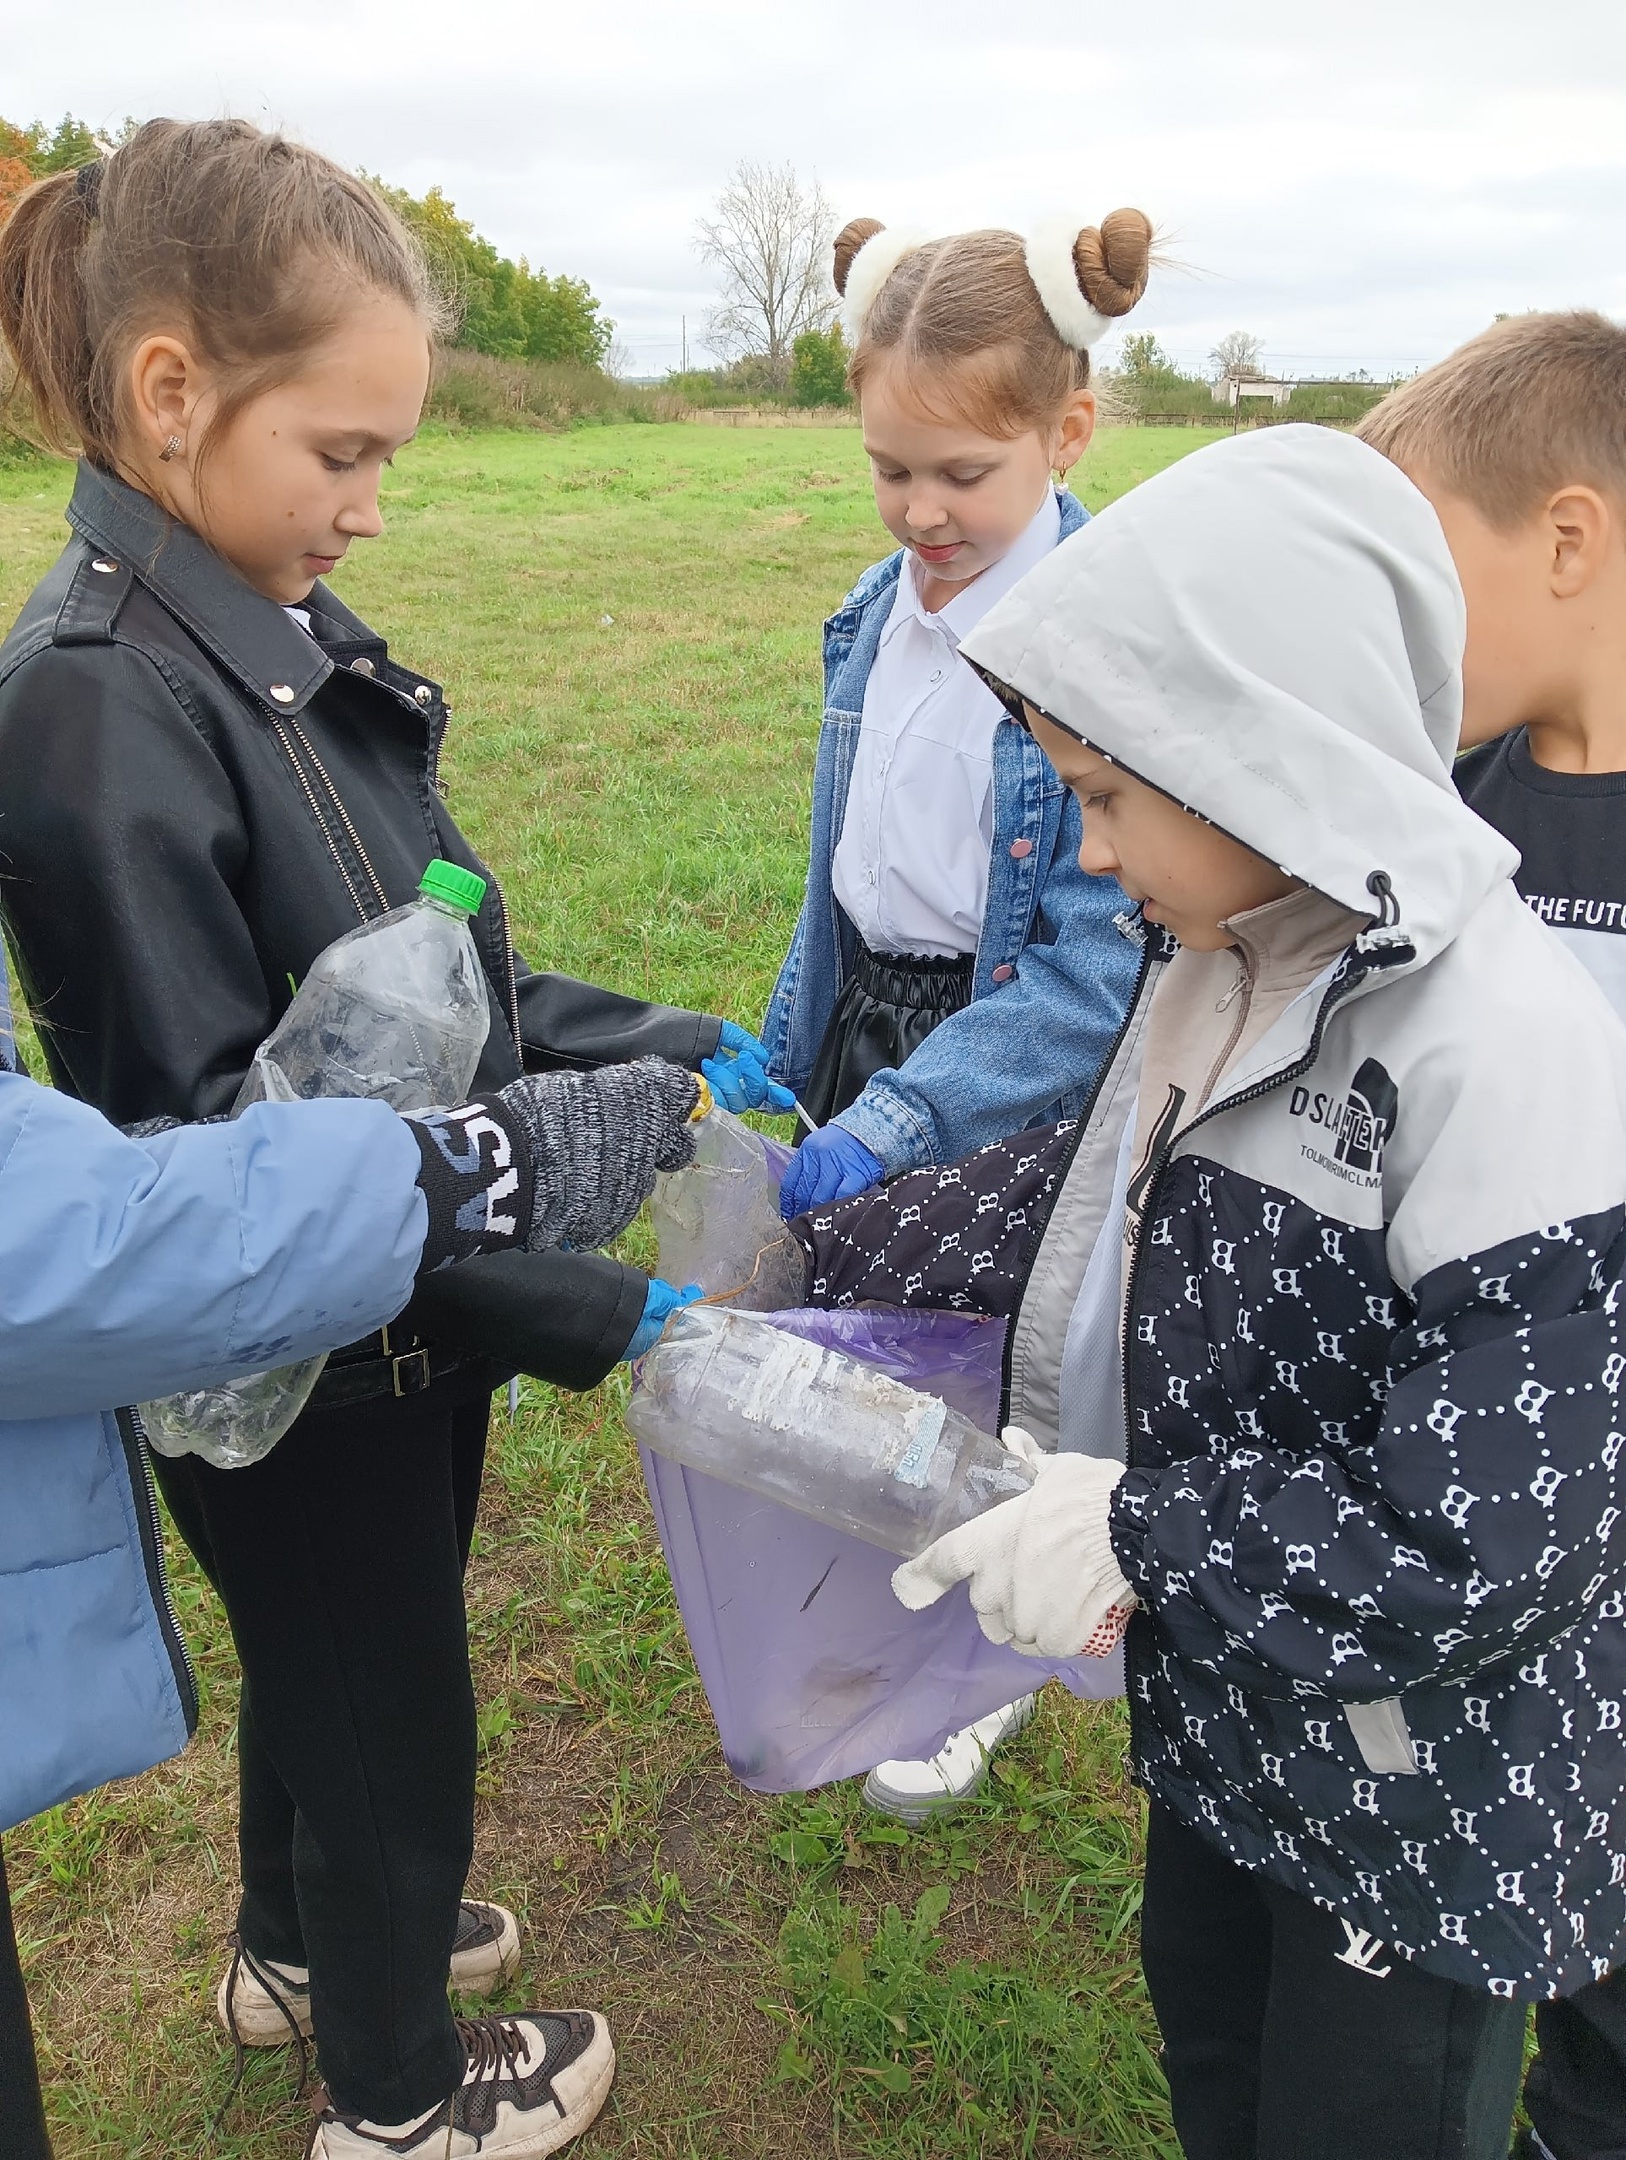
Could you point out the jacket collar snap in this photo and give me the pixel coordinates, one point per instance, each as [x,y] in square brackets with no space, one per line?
[249,635]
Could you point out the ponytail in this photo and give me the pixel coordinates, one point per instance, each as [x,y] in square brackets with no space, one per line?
[248,245]
[42,309]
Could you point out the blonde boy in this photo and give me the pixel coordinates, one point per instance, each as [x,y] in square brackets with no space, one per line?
[1519,441]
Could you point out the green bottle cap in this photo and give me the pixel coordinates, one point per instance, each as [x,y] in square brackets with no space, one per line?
[445,882]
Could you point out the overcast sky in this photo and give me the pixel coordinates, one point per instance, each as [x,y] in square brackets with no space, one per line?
[1360,186]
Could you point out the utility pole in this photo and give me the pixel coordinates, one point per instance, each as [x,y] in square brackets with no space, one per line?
[685,321]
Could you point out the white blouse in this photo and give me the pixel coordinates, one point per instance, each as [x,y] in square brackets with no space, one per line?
[911,865]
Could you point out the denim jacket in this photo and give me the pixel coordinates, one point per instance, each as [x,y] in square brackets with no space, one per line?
[1054,973]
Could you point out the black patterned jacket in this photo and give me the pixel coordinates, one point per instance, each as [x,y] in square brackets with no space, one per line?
[1375,1506]
[1373,1343]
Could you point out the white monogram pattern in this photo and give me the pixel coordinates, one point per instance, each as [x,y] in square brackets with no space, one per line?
[1434,1514]
[954,1237]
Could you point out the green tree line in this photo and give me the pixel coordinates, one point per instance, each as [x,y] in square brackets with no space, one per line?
[505,309]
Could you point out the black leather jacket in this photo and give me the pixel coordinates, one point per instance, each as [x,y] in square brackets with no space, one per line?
[196,798]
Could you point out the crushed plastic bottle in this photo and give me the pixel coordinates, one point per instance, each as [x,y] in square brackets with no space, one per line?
[395,1010]
[789,1420]
[717,1220]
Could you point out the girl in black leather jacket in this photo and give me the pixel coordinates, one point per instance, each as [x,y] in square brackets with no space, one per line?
[209,769]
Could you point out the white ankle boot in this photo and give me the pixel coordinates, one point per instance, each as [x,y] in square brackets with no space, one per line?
[913,1792]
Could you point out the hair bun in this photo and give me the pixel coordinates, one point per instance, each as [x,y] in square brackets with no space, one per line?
[1113,260]
[847,243]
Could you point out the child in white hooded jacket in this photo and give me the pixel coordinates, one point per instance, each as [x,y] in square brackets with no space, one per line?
[1370,1120]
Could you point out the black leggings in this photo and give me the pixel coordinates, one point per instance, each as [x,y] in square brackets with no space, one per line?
[22,2114]
[340,1559]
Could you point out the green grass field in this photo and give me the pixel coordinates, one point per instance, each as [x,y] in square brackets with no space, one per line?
[627,620]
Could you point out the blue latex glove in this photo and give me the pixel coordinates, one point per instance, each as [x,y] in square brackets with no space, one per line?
[829,1165]
[738,1074]
[660,1304]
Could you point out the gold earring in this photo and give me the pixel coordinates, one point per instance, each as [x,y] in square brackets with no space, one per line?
[171,449]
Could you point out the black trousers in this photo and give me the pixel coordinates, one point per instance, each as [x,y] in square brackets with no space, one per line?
[340,1560]
[22,2114]
[1575,2092]
[1285,2040]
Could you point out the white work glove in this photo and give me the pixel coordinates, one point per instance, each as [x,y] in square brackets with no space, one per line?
[1040,1568]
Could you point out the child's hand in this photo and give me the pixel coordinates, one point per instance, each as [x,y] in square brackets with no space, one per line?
[738,1074]
[596,1141]
[829,1165]
[663,1300]
[1040,1568]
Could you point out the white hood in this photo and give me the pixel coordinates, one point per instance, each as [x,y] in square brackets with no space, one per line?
[1270,631]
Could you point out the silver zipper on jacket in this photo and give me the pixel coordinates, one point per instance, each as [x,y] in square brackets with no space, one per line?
[1240,995]
[321,822]
[511,979]
[1336,993]
[337,799]
[279,721]
[159,1569]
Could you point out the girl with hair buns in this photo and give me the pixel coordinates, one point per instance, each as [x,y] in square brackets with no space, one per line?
[954,977]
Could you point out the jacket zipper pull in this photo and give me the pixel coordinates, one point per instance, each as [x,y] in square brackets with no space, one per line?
[1236,988]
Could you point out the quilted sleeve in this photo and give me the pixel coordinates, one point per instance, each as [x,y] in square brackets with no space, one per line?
[1481,1512]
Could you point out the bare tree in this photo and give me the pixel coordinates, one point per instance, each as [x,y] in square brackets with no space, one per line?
[1237,356]
[770,238]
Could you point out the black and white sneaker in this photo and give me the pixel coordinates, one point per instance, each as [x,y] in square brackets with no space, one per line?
[532,2084]
[262,2004]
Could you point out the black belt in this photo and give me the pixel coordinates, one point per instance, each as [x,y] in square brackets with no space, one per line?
[383,1364]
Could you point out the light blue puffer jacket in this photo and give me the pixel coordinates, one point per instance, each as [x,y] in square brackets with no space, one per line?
[129,1269]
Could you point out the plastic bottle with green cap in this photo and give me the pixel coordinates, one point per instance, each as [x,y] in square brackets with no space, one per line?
[452,887]
[396,1009]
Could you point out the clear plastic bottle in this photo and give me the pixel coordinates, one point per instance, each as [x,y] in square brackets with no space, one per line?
[717,1220]
[763,1410]
[395,1010]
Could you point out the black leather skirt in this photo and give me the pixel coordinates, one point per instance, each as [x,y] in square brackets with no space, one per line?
[888,1006]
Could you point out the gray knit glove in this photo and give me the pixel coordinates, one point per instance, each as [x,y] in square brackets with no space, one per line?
[597,1140]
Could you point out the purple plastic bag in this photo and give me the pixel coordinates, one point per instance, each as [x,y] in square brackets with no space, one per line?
[813,1669]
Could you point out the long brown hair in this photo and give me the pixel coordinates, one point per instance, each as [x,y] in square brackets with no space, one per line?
[248,245]
[964,317]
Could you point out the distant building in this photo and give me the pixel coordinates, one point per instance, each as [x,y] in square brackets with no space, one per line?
[1231,388]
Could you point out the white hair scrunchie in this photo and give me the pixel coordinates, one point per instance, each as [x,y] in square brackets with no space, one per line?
[869,270]
[1049,253]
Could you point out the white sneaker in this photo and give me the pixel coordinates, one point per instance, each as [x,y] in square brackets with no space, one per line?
[262,2004]
[532,2084]
[913,1792]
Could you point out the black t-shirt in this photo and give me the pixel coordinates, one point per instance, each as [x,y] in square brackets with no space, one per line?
[1570,830]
